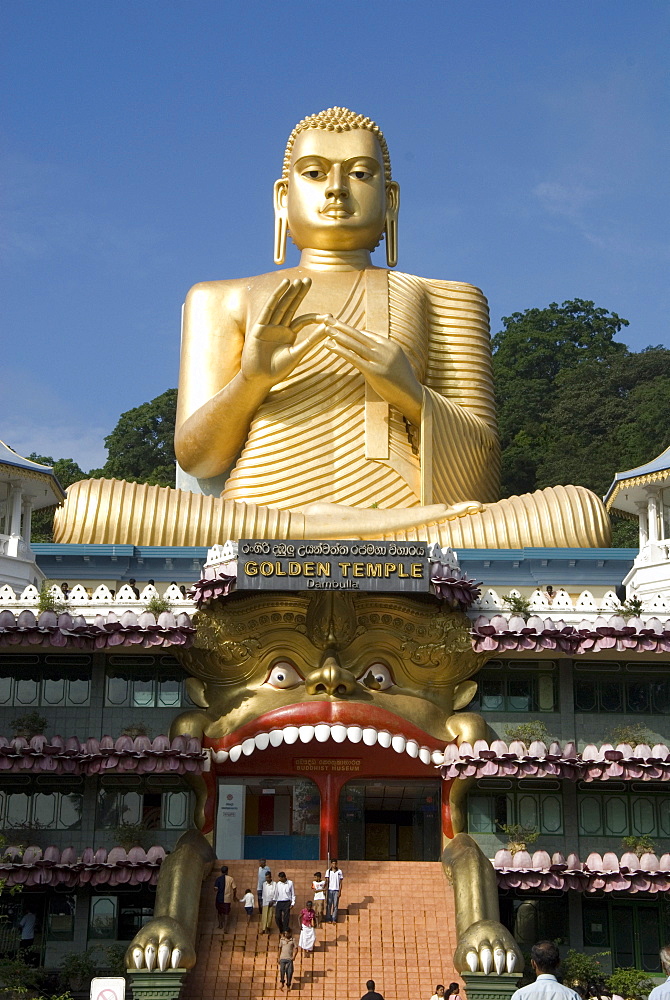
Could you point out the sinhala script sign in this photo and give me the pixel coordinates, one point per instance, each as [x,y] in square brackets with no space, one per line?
[274,564]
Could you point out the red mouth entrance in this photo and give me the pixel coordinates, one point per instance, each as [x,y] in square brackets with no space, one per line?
[331,743]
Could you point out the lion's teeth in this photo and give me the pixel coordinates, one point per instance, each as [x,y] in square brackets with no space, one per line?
[323,731]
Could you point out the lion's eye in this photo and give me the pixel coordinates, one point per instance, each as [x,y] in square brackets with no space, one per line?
[378,677]
[283,675]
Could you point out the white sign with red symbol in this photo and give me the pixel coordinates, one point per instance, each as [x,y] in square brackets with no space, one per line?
[230,822]
[108,988]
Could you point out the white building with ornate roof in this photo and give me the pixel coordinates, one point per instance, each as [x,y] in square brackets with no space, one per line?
[643,494]
[25,486]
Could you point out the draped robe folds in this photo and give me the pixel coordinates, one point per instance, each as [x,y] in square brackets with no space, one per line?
[321,436]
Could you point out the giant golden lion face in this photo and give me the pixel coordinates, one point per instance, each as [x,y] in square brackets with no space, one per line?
[328,669]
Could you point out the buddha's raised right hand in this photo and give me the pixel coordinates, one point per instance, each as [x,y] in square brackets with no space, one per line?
[273,346]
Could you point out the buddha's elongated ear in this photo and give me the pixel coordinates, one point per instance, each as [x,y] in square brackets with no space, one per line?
[281,219]
[391,227]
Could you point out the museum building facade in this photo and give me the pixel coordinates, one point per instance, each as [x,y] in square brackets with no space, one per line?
[567,795]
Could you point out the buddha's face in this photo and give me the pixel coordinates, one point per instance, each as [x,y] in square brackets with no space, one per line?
[336,195]
[388,678]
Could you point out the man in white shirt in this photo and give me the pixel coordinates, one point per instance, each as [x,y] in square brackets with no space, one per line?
[284,899]
[262,871]
[334,877]
[27,928]
[545,959]
[662,992]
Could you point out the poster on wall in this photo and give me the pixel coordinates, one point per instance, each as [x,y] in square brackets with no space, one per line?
[230,822]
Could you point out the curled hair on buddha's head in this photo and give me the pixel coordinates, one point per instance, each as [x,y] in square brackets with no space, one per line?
[338,120]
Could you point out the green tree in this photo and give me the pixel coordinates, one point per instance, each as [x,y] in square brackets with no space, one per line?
[575,406]
[529,354]
[67,472]
[141,446]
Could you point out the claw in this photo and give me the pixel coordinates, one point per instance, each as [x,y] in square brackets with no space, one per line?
[164,956]
[472,960]
[138,957]
[486,959]
[150,956]
[176,958]
[499,959]
[512,960]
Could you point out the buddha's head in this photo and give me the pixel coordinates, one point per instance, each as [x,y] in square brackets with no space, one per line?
[336,192]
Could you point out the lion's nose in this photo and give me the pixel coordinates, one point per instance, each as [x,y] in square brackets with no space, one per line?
[331,678]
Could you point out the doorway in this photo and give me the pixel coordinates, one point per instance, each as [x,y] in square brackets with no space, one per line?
[268,818]
[390,821]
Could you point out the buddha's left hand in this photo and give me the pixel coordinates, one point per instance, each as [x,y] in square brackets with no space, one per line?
[382,362]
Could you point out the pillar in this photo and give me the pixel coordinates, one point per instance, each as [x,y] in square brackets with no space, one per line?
[652,517]
[643,524]
[27,509]
[447,826]
[16,497]
[329,786]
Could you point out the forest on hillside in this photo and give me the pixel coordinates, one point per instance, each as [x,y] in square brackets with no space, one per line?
[574,406]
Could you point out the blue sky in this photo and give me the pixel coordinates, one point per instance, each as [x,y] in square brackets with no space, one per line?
[140,141]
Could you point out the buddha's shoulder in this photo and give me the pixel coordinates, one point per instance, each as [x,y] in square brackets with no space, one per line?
[441,286]
[229,290]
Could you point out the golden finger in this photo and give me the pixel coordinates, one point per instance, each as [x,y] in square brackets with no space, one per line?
[271,302]
[294,290]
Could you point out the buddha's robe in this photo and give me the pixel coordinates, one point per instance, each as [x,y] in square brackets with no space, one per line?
[321,436]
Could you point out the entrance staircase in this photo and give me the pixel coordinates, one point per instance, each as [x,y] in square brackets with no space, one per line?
[396,925]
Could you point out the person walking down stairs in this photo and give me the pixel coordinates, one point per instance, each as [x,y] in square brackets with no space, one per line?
[268,901]
[284,900]
[287,951]
[334,878]
[307,932]
[226,892]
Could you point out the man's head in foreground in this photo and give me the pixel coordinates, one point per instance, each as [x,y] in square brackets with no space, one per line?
[545,958]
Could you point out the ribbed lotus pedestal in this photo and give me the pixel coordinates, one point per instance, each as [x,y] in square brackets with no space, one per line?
[480,986]
[156,985]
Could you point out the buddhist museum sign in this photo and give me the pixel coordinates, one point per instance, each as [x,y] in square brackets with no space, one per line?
[278,564]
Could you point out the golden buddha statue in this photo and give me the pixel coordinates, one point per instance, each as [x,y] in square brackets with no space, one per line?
[343,400]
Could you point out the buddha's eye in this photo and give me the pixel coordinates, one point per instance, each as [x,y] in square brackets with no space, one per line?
[377,677]
[314,173]
[283,675]
[360,174]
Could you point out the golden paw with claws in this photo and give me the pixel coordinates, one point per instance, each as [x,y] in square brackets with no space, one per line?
[487,946]
[161,944]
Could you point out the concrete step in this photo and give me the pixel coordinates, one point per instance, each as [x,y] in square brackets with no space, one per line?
[396,925]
